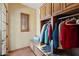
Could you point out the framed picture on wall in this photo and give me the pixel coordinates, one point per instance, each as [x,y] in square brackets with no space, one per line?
[24,22]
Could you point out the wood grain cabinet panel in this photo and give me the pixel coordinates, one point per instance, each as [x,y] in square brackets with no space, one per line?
[48,10]
[43,12]
[57,8]
[52,9]
[70,6]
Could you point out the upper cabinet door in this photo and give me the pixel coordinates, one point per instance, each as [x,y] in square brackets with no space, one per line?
[70,6]
[57,8]
[48,10]
[52,9]
[43,12]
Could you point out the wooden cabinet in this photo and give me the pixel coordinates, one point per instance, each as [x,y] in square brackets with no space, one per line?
[67,4]
[48,10]
[70,6]
[43,12]
[57,8]
[53,9]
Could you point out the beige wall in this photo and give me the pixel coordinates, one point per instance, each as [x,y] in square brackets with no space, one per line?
[20,39]
[38,22]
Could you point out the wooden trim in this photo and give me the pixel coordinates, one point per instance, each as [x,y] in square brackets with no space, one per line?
[52,9]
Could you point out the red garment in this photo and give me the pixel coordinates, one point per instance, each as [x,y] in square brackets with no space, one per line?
[69,36]
[49,31]
[62,35]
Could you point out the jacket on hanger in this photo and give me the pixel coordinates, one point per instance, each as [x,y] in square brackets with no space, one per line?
[70,36]
[49,32]
[60,26]
[55,37]
[46,37]
[42,35]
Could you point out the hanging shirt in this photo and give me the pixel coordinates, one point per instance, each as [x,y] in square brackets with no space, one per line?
[46,37]
[60,25]
[49,32]
[42,35]
[55,37]
[70,36]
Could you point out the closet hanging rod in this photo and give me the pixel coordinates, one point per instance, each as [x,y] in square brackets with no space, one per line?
[69,16]
[49,21]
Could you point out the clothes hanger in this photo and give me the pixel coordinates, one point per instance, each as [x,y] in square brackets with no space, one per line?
[49,22]
[72,19]
[77,21]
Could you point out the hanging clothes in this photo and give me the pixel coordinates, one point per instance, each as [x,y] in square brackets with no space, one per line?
[42,35]
[46,33]
[60,26]
[46,37]
[55,37]
[49,32]
[69,35]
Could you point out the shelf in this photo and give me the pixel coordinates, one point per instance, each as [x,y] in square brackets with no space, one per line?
[39,47]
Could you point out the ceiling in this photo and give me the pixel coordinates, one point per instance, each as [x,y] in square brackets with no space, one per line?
[33,5]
